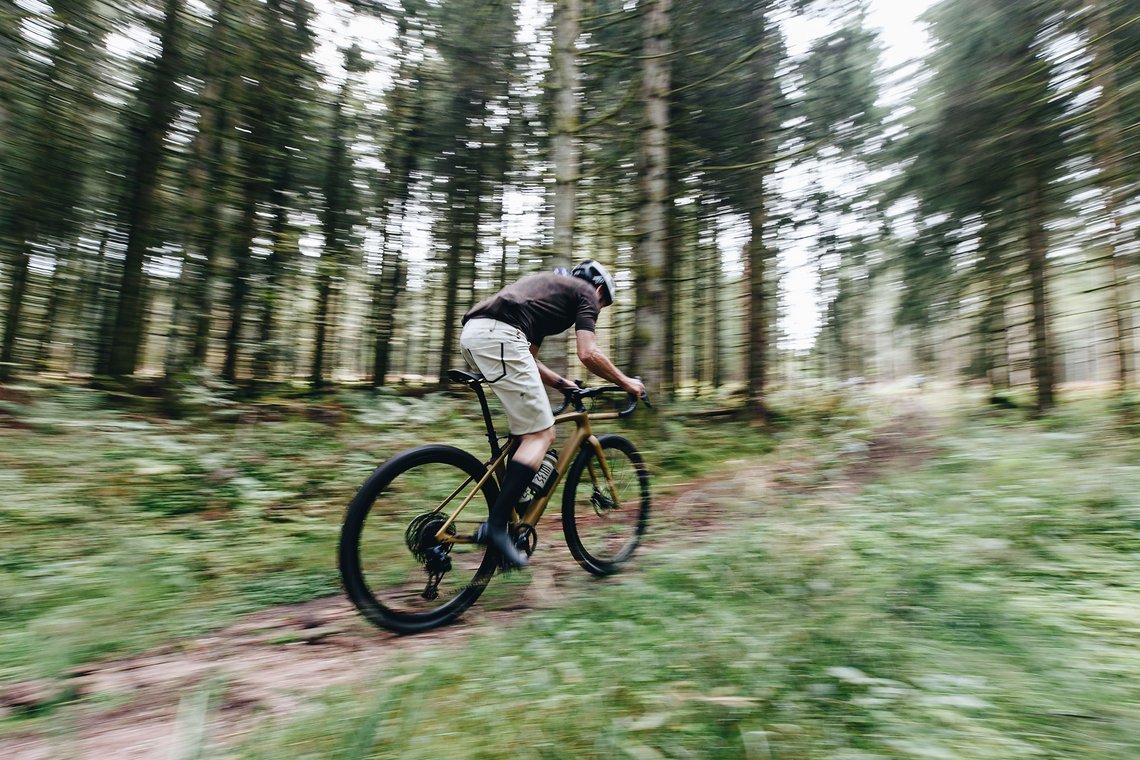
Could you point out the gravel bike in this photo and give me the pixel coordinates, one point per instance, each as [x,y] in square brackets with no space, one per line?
[408,555]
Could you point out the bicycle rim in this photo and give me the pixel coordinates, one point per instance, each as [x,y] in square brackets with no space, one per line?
[394,570]
[603,532]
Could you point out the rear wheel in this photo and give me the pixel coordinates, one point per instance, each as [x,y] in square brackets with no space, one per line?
[394,569]
[604,527]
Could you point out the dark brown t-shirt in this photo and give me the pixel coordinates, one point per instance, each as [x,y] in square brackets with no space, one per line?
[542,305]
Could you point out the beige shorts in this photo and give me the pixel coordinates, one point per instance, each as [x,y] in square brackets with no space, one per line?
[502,354]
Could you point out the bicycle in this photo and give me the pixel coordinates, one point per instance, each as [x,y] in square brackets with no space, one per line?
[408,555]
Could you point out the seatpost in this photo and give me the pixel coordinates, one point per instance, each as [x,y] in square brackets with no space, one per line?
[492,437]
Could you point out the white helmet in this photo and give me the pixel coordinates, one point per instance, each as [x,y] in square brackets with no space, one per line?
[596,274]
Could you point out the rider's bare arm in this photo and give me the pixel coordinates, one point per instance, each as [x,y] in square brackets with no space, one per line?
[597,362]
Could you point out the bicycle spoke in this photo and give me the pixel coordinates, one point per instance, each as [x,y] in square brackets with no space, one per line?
[395,567]
[604,518]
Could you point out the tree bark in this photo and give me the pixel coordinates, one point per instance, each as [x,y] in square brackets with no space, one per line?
[454,266]
[758,254]
[14,308]
[158,99]
[995,344]
[1037,245]
[239,282]
[652,268]
[335,224]
[1110,163]
[565,138]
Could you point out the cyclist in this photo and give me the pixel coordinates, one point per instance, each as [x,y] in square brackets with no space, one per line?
[500,339]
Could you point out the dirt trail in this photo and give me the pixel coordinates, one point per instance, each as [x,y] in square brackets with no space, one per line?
[269,664]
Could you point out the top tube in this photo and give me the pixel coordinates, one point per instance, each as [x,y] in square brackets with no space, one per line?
[570,398]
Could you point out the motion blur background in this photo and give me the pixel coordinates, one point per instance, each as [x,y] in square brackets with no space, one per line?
[236,240]
[284,190]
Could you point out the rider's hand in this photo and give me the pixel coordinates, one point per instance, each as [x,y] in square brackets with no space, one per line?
[634,386]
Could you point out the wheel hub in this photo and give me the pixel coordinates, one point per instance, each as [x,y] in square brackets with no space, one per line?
[602,502]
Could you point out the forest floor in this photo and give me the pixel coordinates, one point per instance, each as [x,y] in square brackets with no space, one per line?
[881,576]
[272,663]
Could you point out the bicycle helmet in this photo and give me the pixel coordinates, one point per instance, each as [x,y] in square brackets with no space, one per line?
[596,274]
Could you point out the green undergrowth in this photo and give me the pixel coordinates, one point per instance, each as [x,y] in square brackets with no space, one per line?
[977,601]
[982,603]
[121,529]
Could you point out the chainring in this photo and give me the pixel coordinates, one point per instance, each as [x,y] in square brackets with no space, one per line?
[526,538]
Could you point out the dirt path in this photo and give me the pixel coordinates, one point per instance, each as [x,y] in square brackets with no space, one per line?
[269,664]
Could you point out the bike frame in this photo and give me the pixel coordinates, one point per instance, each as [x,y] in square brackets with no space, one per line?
[583,434]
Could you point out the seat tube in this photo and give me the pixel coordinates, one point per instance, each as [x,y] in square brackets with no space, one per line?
[492,437]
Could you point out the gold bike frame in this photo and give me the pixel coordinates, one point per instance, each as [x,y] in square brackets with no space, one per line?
[583,433]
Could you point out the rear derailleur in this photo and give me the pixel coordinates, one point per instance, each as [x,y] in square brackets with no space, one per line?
[433,553]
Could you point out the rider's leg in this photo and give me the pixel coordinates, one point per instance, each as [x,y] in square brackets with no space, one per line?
[502,353]
[533,447]
[520,472]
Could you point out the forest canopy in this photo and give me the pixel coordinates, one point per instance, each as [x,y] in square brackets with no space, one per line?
[286,191]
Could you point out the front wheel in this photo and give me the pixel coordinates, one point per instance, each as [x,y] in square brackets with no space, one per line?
[604,525]
[394,569]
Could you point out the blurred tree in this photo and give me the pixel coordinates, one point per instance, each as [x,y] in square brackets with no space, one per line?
[839,125]
[206,197]
[212,150]
[476,43]
[45,165]
[653,223]
[289,81]
[13,70]
[337,215]
[152,117]
[989,139]
[607,138]
[1111,37]
[764,124]
[564,121]
[405,114]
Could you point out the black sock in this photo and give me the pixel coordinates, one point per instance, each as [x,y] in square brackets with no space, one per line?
[515,481]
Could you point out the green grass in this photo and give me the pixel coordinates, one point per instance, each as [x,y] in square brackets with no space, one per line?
[984,605]
[119,531]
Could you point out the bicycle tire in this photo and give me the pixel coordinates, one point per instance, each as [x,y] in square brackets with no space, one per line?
[602,535]
[393,516]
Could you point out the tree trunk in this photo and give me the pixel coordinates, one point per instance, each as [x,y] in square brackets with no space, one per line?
[282,245]
[324,296]
[995,352]
[239,283]
[454,267]
[1110,163]
[393,277]
[10,21]
[1037,249]
[158,99]
[674,267]
[652,268]
[565,138]
[14,310]
[335,225]
[758,254]
[715,286]
[210,241]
